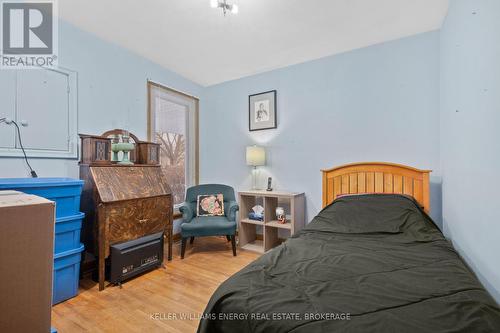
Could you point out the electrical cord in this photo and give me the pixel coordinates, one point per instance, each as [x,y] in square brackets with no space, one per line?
[33,173]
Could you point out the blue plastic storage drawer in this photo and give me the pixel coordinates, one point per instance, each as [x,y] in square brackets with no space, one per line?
[66,274]
[68,233]
[65,192]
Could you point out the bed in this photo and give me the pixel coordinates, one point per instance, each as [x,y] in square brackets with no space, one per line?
[371,261]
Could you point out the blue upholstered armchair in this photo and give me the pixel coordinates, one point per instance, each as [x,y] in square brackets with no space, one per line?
[198,226]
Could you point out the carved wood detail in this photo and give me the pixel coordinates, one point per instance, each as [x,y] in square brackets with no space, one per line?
[123,203]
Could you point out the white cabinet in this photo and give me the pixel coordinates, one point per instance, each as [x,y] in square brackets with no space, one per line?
[46,100]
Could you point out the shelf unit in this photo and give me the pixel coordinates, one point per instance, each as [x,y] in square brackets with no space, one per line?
[247,233]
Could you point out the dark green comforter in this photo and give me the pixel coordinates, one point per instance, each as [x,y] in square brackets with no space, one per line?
[371,263]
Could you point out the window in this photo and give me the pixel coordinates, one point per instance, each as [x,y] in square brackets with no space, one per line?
[173,123]
[42,99]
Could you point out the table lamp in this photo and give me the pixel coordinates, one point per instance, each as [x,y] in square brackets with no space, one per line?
[256,156]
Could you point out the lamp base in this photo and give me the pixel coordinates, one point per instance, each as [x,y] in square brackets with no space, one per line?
[255,178]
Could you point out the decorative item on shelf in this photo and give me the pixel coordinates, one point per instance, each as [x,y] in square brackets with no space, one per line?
[125,146]
[256,156]
[149,152]
[257,213]
[120,147]
[280,215]
[262,111]
[114,148]
[95,149]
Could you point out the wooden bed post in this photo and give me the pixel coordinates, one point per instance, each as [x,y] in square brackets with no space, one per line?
[325,198]
[426,192]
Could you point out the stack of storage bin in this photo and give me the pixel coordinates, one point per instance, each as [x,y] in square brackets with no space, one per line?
[65,192]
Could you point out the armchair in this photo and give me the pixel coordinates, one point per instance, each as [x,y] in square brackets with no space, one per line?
[199,226]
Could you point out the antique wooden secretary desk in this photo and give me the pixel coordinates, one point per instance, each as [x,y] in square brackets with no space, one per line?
[122,202]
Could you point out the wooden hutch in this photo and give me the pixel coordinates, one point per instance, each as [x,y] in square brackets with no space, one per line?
[121,202]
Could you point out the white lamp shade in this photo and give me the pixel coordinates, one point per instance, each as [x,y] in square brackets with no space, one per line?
[256,156]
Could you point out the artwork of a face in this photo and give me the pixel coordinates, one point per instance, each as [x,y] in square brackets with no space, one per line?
[262,111]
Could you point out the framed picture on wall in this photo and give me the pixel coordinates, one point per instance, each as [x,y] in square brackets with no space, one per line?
[262,111]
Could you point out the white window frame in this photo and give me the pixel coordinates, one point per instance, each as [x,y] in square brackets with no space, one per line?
[192,133]
[72,151]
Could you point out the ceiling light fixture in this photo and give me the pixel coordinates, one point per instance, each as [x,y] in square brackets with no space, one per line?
[224,5]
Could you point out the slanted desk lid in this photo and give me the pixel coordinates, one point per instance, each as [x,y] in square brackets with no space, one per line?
[130,182]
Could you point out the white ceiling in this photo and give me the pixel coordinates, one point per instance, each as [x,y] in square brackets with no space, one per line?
[193,39]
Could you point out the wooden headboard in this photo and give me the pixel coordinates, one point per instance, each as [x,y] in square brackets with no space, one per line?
[376,177]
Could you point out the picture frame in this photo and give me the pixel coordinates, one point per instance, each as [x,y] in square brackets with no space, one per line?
[262,111]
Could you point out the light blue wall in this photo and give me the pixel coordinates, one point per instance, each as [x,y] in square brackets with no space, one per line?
[111,93]
[431,101]
[379,103]
[470,135]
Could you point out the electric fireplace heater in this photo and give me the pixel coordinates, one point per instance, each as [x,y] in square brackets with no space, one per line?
[134,257]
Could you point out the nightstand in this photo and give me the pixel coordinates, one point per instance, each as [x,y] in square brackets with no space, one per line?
[249,239]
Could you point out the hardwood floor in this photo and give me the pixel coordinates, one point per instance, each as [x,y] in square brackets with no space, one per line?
[155,301]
